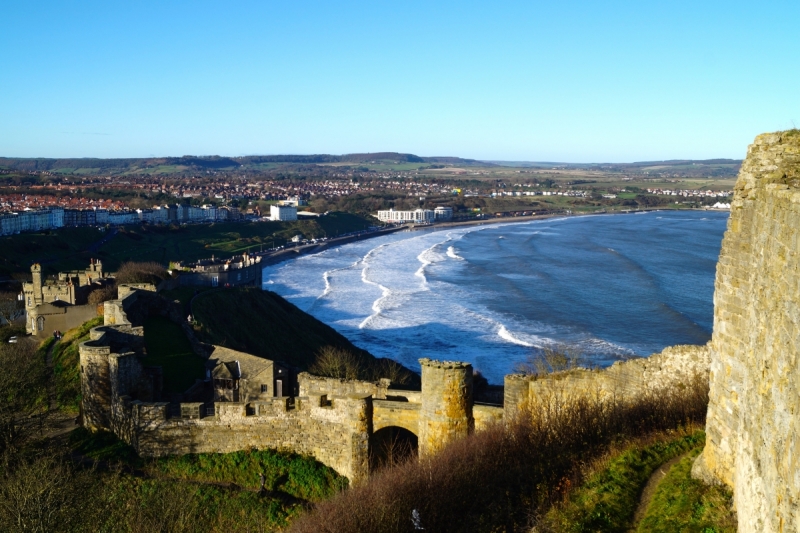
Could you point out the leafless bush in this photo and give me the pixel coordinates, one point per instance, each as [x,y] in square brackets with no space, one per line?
[502,478]
[42,494]
[23,392]
[103,294]
[146,272]
[10,307]
[391,370]
[335,362]
[176,510]
[556,358]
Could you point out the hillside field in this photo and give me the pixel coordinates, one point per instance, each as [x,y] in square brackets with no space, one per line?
[72,248]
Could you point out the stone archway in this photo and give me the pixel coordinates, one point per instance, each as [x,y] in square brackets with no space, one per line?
[391,445]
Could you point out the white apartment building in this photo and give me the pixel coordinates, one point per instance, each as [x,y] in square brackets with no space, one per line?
[282,212]
[118,218]
[443,213]
[418,216]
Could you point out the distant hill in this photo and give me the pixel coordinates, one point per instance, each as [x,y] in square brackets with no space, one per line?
[201,163]
[685,167]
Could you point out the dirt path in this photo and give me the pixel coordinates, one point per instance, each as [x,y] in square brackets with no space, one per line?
[650,489]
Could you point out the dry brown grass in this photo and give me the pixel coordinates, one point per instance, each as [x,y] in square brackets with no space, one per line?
[505,478]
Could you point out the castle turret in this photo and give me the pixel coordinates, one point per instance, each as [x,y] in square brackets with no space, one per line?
[36,271]
[95,383]
[446,411]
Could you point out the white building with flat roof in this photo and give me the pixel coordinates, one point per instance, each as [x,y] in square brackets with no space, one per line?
[283,213]
[418,216]
[443,213]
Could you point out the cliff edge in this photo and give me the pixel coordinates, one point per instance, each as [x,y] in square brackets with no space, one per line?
[753,431]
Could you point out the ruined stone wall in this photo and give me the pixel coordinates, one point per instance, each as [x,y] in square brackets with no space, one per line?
[753,431]
[310,384]
[676,366]
[486,415]
[335,432]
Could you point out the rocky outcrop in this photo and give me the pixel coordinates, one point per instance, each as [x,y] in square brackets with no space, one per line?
[753,427]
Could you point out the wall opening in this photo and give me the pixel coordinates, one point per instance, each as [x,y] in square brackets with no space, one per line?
[390,446]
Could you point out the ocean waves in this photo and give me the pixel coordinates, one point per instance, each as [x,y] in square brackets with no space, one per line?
[606,285]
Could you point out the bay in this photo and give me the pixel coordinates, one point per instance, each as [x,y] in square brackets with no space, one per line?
[611,286]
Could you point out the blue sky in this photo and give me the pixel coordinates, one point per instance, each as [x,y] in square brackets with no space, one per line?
[572,81]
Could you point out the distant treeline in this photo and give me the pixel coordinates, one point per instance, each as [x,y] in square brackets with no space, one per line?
[214,162]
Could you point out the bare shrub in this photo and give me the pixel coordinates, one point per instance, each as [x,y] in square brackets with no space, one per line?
[11,308]
[146,272]
[103,294]
[391,370]
[556,358]
[23,391]
[503,478]
[335,362]
[42,494]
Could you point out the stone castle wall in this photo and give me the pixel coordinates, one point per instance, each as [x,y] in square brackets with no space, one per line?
[336,433]
[753,431]
[675,366]
[311,384]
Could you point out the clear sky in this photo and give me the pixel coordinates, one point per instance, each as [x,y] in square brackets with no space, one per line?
[573,81]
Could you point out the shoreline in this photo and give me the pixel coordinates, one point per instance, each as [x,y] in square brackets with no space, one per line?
[310,249]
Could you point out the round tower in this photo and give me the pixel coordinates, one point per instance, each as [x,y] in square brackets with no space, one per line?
[95,384]
[446,410]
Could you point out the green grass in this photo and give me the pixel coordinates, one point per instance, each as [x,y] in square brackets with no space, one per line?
[608,499]
[103,446]
[56,250]
[264,324]
[212,490]
[296,475]
[183,295]
[66,366]
[681,503]
[168,347]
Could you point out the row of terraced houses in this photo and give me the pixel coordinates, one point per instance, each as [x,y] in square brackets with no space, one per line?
[58,217]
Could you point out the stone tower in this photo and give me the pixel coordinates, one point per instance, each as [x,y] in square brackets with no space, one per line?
[36,271]
[446,411]
[95,382]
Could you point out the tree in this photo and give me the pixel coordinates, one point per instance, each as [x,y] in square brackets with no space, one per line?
[23,383]
[42,494]
[103,294]
[148,272]
[335,362]
[10,307]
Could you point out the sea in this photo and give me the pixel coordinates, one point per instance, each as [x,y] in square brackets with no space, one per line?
[607,286]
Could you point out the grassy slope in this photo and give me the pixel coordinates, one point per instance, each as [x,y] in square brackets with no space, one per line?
[204,481]
[56,250]
[65,249]
[681,503]
[168,347]
[66,365]
[263,323]
[607,500]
